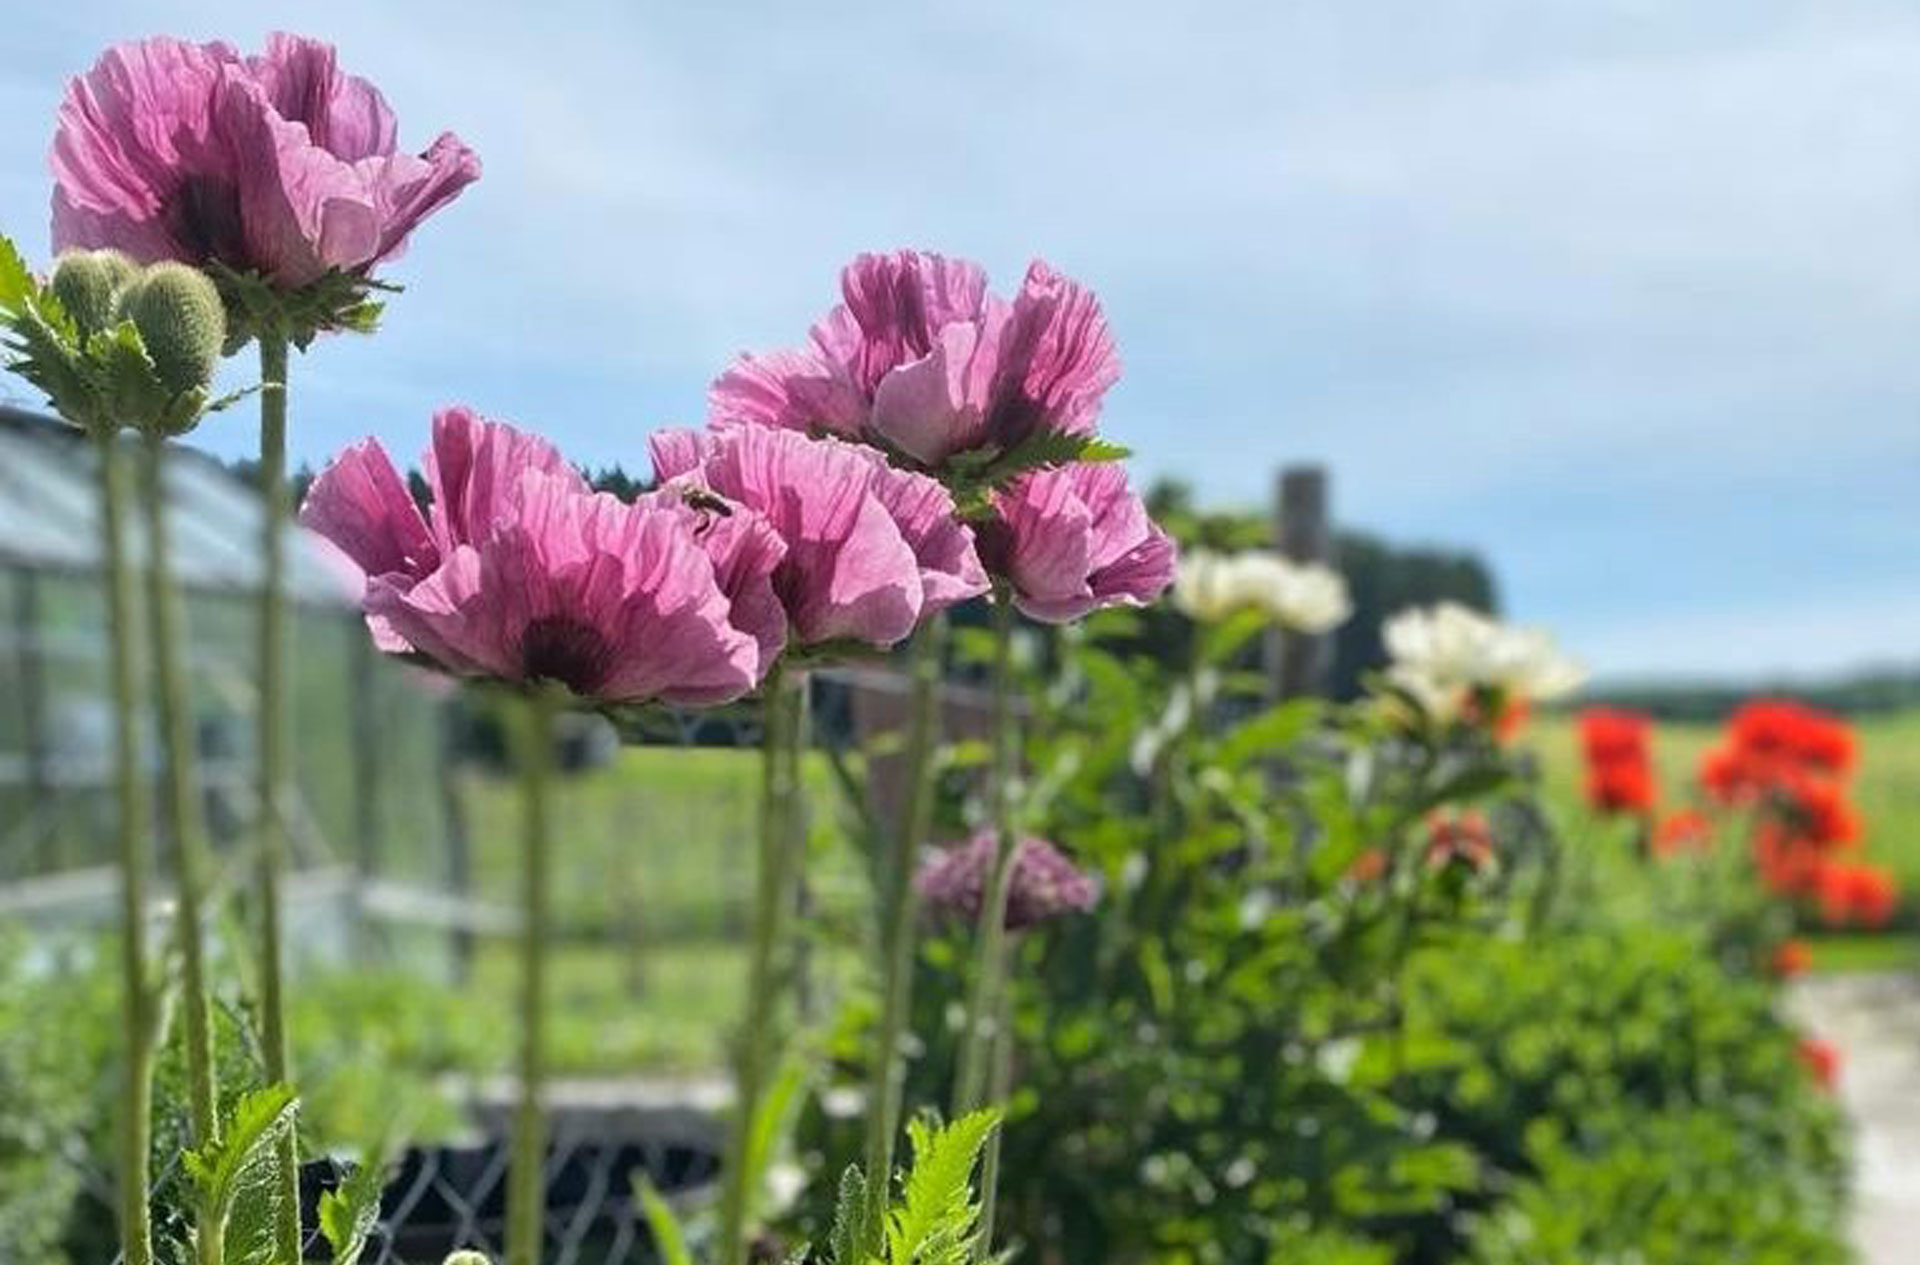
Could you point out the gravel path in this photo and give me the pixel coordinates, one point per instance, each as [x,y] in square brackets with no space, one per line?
[1874,1018]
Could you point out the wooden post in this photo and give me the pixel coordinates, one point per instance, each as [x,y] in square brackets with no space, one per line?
[1303,532]
[31,666]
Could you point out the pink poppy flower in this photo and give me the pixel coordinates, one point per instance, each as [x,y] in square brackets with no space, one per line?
[870,550]
[1044,883]
[519,572]
[1074,540]
[920,359]
[278,164]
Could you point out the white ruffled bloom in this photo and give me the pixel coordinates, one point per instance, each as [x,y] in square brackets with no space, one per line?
[1301,597]
[1443,654]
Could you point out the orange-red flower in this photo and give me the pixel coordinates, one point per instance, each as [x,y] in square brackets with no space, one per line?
[1856,894]
[1369,866]
[1464,838]
[1822,1059]
[1620,777]
[1687,830]
[1791,958]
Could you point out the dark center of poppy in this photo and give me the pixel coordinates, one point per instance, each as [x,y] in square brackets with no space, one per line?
[563,649]
[205,218]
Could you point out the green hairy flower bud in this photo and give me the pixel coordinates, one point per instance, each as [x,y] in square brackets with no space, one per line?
[467,1257]
[88,284]
[178,313]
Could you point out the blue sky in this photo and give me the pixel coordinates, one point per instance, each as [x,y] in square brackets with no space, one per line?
[1624,293]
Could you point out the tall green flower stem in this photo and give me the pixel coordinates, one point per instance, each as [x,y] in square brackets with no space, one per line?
[899,908]
[781,843]
[137,999]
[526,1192]
[181,804]
[271,771]
[990,940]
[987,1008]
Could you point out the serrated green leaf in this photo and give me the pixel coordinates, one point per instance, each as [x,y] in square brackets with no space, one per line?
[243,1161]
[937,1217]
[347,1213]
[17,282]
[849,1239]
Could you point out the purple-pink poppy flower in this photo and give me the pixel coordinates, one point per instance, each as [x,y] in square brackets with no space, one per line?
[278,164]
[871,550]
[1044,883]
[518,571]
[1074,540]
[919,358]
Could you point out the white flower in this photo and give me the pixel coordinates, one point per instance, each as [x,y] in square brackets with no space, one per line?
[1301,597]
[1442,654]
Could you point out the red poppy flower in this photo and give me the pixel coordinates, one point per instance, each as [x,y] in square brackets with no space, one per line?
[1791,958]
[1822,1059]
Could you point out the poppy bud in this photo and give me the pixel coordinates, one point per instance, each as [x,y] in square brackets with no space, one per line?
[180,318]
[88,284]
[467,1256]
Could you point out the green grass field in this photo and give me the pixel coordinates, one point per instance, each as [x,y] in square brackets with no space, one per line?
[652,881]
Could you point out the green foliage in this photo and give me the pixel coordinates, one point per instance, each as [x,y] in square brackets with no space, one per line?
[181,322]
[975,475]
[348,1212]
[935,1219]
[337,302]
[1289,1034]
[234,1176]
[89,283]
[1675,1188]
[138,349]
[44,1110]
[669,1242]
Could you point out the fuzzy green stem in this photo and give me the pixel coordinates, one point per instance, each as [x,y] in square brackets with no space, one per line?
[999,1090]
[758,1038]
[990,939]
[899,909]
[136,1002]
[526,1198]
[181,804]
[272,769]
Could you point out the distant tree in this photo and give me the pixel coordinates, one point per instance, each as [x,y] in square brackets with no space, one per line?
[1385,578]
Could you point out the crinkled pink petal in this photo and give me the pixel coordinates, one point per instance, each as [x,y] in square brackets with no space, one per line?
[851,570]
[901,302]
[1043,544]
[1075,539]
[676,452]
[1140,575]
[935,406]
[473,470]
[445,616]
[796,390]
[407,189]
[302,210]
[745,552]
[1057,360]
[120,154]
[361,504]
[343,114]
[278,164]
[943,546]
[864,586]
